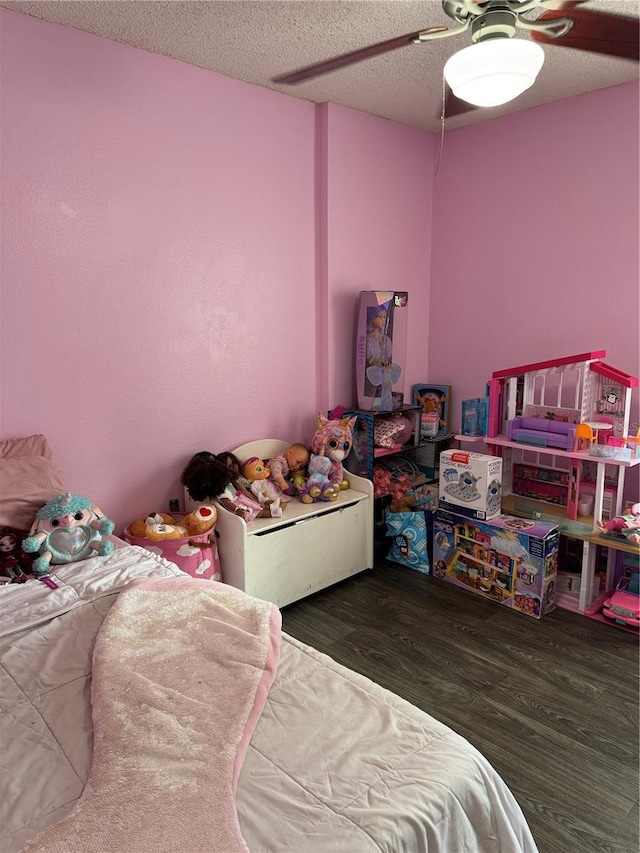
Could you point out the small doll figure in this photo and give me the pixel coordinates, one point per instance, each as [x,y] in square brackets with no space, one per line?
[238,499]
[264,489]
[15,565]
[68,528]
[206,476]
[627,525]
[284,466]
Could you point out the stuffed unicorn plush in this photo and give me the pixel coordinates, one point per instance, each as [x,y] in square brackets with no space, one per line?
[333,439]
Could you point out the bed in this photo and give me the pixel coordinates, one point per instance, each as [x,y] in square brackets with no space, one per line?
[144,710]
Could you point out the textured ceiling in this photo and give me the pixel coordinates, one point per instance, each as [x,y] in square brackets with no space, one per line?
[255,41]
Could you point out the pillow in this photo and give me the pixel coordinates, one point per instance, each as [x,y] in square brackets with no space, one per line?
[27,483]
[32,445]
[387,431]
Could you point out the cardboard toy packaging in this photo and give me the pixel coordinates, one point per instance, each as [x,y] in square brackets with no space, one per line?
[381,349]
[471,483]
[513,561]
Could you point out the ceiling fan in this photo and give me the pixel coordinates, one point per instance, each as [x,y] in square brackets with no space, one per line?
[496,67]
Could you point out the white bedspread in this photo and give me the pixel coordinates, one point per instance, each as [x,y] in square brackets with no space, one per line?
[336,764]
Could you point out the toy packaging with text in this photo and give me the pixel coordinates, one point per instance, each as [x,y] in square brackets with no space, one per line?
[513,561]
[471,483]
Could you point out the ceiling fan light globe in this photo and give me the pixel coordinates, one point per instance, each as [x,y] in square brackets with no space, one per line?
[494,72]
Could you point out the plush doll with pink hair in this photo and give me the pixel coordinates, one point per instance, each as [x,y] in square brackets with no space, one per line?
[627,525]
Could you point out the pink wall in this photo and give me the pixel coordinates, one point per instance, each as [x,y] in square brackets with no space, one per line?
[379,198]
[157,253]
[181,252]
[161,268]
[535,242]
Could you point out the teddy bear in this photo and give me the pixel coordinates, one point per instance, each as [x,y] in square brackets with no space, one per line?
[201,520]
[155,526]
[68,528]
[160,526]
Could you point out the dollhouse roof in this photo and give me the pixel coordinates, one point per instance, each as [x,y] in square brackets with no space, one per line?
[590,359]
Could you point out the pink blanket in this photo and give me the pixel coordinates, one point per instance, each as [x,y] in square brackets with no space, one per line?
[181,672]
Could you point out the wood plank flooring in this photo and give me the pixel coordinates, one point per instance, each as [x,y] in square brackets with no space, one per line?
[552,703]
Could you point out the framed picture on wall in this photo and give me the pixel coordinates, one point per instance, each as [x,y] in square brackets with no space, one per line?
[435,401]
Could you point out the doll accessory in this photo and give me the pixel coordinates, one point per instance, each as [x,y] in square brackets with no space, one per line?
[385,378]
[68,528]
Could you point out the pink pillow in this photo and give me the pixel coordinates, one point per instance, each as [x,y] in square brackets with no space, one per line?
[32,445]
[387,432]
[26,484]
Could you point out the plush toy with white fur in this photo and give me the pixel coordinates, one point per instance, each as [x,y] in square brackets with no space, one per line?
[68,528]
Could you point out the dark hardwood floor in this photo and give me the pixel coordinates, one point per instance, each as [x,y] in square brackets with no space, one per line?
[552,703]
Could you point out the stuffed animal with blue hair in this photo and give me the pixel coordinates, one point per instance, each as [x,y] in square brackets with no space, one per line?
[68,528]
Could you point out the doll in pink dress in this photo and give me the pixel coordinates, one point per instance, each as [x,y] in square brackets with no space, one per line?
[237,496]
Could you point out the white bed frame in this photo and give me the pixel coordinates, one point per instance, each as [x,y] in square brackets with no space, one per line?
[312,546]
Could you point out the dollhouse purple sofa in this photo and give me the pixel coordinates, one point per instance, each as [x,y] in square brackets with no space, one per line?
[542,432]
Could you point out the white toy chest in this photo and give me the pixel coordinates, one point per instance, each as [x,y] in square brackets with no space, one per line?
[312,546]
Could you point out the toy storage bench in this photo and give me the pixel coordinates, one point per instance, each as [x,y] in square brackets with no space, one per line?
[312,546]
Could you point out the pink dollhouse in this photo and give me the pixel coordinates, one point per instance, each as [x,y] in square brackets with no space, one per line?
[576,410]
[562,428]
[576,389]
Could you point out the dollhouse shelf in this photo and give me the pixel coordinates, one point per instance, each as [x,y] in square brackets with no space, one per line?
[553,513]
[584,529]
[503,441]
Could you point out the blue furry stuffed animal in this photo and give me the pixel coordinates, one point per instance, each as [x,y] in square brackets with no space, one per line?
[68,528]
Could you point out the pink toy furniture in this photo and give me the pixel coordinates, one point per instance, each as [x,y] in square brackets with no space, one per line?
[584,437]
[542,433]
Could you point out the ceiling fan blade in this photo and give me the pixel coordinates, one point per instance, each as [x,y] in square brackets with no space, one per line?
[597,32]
[319,68]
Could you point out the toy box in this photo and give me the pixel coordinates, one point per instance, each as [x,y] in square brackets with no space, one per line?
[381,349]
[513,561]
[471,483]
[474,416]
